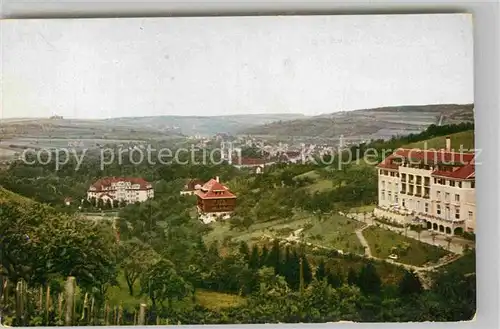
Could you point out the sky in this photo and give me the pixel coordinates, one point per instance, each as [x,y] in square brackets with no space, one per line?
[102,68]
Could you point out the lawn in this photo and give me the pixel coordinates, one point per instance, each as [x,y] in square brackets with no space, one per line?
[464,138]
[409,251]
[333,231]
[362,209]
[464,265]
[321,185]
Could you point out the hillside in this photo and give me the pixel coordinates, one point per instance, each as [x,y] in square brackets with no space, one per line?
[464,139]
[205,125]
[8,196]
[374,123]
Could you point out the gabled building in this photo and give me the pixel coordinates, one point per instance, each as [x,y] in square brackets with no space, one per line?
[129,189]
[215,201]
[433,187]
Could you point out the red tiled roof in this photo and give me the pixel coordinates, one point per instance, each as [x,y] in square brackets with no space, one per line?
[465,161]
[214,190]
[107,181]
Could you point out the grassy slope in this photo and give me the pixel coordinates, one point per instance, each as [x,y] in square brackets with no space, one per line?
[334,232]
[464,138]
[464,265]
[381,242]
[8,196]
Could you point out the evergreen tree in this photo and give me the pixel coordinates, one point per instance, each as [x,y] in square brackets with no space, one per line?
[410,284]
[274,259]
[352,277]
[244,251]
[291,269]
[368,280]
[306,270]
[334,279]
[264,256]
[321,272]
[254,257]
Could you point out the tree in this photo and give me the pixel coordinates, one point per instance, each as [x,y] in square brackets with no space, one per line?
[244,250]
[254,257]
[136,257]
[419,230]
[410,284]
[448,239]
[161,282]
[368,280]
[352,278]
[321,272]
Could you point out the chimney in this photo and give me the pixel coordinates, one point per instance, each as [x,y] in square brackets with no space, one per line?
[448,144]
[217,179]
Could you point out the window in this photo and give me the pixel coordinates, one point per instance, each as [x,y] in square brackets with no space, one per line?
[457,213]
[457,197]
[460,184]
[473,184]
[438,209]
[382,195]
[383,185]
[426,207]
[447,197]
[396,198]
[392,173]
[389,196]
[403,202]
[447,213]
[452,183]
[438,195]
[396,185]
[418,205]
[470,215]
[389,185]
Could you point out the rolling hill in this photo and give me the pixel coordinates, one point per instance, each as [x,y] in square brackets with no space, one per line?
[464,139]
[383,122]
[205,125]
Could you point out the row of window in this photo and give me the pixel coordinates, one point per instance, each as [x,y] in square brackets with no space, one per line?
[420,179]
[389,173]
[389,185]
[447,196]
[447,213]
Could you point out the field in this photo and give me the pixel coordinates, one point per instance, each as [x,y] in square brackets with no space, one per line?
[383,243]
[464,139]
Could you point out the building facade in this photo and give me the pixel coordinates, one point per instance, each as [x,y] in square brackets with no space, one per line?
[120,189]
[434,188]
[214,201]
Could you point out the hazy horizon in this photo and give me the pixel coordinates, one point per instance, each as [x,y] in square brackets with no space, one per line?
[216,66]
[219,115]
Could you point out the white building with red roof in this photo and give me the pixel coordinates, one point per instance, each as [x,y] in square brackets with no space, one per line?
[432,186]
[128,189]
[215,201]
